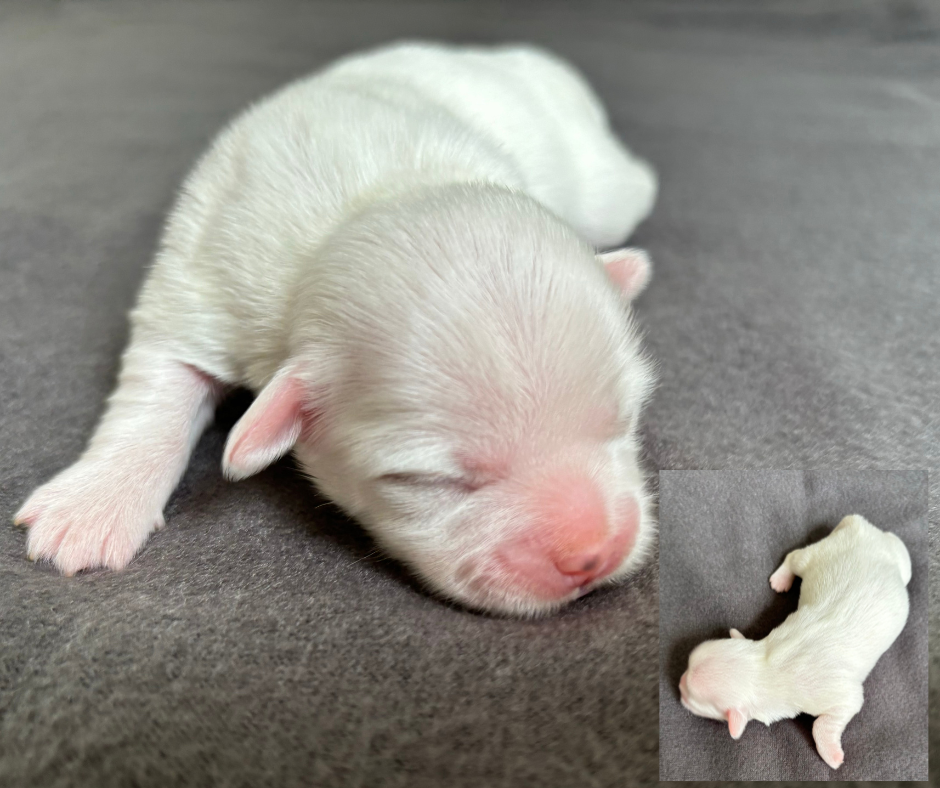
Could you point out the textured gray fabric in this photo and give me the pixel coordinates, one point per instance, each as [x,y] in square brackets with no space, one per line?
[722,534]
[254,642]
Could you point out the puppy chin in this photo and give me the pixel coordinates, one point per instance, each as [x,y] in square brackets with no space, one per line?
[514,605]
[504,596]
[485,585]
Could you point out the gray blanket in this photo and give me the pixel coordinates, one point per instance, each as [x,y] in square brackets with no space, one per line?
[722,534]
[257,640]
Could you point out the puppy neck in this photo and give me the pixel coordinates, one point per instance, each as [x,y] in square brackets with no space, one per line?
[771,690]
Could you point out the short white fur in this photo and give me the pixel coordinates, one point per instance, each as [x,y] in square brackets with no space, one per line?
[853,605]
[399,253]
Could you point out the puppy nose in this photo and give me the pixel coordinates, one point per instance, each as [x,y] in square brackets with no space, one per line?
[582,563]
[581,545]
[571,542]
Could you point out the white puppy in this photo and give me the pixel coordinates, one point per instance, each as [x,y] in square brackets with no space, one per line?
[396,254]
[853,605]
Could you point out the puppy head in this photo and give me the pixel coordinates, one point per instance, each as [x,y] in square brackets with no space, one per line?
[466,380]
[719,680]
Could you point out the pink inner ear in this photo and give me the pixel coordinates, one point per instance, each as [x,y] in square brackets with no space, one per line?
[269,428]
[629,269]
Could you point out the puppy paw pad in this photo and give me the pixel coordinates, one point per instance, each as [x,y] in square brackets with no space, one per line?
[83,519]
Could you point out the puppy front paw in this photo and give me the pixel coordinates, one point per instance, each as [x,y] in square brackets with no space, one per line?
[782,580]
[90,515]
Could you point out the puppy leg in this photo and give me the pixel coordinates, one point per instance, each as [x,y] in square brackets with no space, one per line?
[827,732]
[782,579]
[101,510]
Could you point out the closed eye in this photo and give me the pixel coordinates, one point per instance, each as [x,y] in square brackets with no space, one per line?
[429,480]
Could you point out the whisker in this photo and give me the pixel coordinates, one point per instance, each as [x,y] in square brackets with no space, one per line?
[371,554]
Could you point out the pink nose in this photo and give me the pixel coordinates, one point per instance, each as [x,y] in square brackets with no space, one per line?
[582,560]
[574,526]
[570,543]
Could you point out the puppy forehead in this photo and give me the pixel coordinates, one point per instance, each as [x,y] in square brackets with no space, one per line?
[707,683]
[710,664]
[486,405]
[701,653]
[495,374]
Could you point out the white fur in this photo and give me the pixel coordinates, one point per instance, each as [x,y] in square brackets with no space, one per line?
[401,235]
[853,605]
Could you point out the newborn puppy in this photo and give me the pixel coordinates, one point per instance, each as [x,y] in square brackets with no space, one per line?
[398,256]
[853,605]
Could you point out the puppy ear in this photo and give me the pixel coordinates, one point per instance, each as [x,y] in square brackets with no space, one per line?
[629,269]
[737,635]
[736,723]
[270,427]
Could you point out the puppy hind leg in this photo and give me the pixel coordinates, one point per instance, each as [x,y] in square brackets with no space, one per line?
[827,733]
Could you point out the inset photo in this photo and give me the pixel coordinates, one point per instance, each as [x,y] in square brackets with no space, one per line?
[793,625]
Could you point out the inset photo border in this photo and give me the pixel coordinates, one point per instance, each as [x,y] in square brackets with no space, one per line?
[722,535]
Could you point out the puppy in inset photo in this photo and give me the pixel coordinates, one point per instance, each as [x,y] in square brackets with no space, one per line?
[853,605]
[827,613]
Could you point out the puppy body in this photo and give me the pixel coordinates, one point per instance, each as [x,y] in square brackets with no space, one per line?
[396,255]
[853,605]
